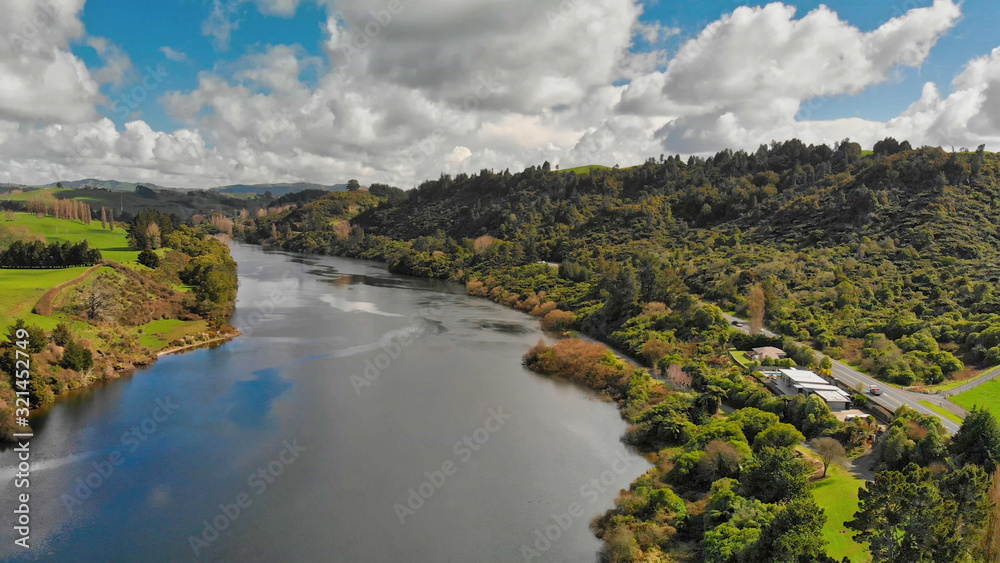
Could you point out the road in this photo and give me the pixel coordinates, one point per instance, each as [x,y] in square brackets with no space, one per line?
[891,397]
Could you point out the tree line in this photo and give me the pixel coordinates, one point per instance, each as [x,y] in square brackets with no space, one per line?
[36,254]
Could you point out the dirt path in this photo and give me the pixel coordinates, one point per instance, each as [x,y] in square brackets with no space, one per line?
[44,305]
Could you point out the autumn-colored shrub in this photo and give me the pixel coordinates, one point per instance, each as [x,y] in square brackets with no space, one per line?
[544,309]
[476,288]
[558,320]
[589,363]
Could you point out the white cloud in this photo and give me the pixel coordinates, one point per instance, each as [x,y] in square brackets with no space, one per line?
[457,86]
[116,62]
[173,54]
[40,80]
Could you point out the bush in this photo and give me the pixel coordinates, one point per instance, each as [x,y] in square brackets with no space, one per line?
[558,320]
[61,334]
[77,357]
[149,259]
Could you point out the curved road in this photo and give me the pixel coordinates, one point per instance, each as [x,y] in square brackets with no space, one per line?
[891,398]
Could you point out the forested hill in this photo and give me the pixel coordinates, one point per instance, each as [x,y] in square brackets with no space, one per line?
[944,203]
[888,259]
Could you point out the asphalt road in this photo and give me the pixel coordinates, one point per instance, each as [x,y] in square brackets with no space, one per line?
[891,397]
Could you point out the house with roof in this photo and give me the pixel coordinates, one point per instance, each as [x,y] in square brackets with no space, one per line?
[807,383]
[766,353]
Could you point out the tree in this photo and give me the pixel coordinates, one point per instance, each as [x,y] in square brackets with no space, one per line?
[978,440]
[77,357]
[153,236]
[989,547]
[780,435]
[149,259]
[909,516]
[756,309]
[353,185]
[774,475]
[795,534]
[829,450]
[35,339]
[100,300]
[754,421]
[61,334]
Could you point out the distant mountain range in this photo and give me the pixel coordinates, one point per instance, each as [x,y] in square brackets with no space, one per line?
[277,190]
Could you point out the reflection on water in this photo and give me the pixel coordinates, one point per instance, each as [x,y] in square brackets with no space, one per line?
[381,379]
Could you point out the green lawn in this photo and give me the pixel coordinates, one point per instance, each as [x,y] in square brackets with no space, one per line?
[113,245]
[838,495]
[586,169]
[986,395]
[47,193]
[740,357]
[943,412]
[21,289]
[157,334]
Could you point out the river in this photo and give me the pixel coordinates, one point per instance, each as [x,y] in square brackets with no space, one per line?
[362,416]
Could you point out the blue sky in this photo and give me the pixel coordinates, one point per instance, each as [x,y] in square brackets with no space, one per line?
[453,86]
[143,28]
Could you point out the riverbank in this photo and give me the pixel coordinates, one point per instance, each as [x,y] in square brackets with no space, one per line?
[222,338]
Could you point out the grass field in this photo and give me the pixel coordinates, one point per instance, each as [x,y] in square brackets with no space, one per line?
[986,395]
[586,169]
[943,412]
[740,357]
[113,245]
[838,495]
[157,334]
[21,289]
[48,193]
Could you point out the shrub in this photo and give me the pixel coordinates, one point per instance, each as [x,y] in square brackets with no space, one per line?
[149,259]
[558,320]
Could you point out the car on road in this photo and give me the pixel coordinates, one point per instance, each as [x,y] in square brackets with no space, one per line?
[737,323]
[875,390]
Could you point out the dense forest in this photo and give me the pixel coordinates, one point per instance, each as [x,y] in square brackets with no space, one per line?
[888,260]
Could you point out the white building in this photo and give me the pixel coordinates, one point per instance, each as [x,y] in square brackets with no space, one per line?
[802,382]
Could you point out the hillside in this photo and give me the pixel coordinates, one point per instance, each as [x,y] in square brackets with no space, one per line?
[885,260]
[125,204]
[277,190]
[92,322]
[888,260]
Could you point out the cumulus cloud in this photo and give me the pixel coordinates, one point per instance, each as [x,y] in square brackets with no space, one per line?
[173,54]
[40,80]
[403,94]
[750,72]
[116,62]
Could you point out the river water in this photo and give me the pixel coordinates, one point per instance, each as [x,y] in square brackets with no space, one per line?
[362,416]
